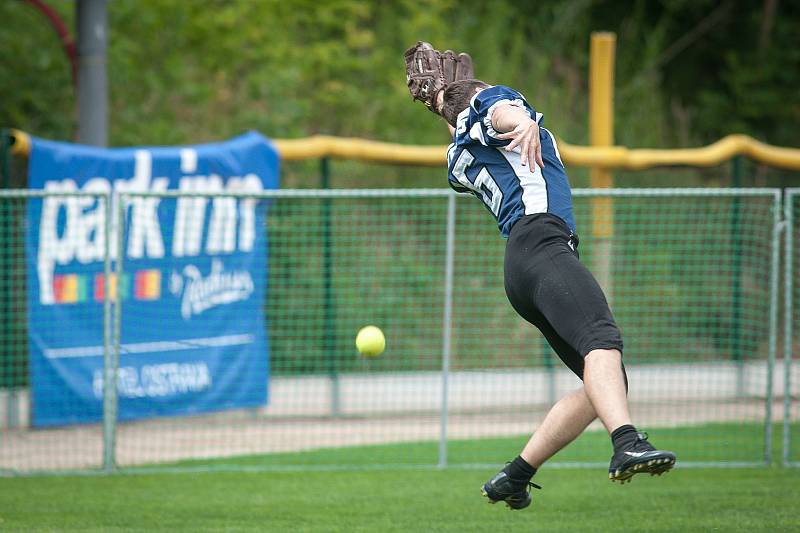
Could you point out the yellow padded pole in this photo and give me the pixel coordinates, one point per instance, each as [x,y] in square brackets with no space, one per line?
[601,124]
[573,155]
[21,143]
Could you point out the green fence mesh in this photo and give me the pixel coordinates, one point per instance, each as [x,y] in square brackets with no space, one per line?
[13,325]
[687,272]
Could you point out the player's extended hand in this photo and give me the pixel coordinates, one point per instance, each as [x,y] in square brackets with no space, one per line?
[526,136]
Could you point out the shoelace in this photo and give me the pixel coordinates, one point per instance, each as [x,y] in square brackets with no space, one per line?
[530,484]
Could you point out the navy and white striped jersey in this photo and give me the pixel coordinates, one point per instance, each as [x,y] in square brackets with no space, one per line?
[478,163]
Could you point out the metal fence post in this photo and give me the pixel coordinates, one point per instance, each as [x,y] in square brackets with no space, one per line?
[91,22]
[788,303]
[111,327]
[447,325]
[736,283]
[773,322]
[329,327]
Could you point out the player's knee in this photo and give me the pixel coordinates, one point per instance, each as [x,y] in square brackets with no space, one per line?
[598,354]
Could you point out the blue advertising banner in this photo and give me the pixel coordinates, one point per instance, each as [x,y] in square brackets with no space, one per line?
[193,331]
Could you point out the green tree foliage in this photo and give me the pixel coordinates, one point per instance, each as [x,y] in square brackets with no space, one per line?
[688,72]
[36,92]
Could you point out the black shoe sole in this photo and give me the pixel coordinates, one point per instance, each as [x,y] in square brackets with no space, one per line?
[510,506]
[654,466]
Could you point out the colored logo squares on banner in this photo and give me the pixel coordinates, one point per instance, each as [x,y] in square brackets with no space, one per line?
[122,289]
[148,285]
[69,288]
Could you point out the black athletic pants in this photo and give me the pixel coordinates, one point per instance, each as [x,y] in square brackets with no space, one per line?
[550,288]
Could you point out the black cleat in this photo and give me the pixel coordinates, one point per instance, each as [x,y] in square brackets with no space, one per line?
[515,493]
[639,458]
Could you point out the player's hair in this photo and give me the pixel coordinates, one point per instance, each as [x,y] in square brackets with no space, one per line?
[457,96]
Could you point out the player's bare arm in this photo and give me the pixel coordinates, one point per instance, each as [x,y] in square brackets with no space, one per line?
[439,102]
[517,125]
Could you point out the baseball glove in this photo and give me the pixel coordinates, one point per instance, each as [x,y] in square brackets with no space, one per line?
[456,67]
[428,71]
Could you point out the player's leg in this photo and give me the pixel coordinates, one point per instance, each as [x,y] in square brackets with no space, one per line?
[605,387]
[570,415]
[564,422]
[543,272]
[548,286]
[574,304]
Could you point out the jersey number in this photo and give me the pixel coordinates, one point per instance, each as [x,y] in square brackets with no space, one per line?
[484,184]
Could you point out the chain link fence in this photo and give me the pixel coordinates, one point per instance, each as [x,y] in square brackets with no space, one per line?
[692,276]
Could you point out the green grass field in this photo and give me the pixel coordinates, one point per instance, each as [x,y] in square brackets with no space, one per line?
[736,443]
[686,500]
[210,496]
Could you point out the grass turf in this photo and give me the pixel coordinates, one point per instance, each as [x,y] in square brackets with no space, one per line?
[729,500]
[703,443]
[410,499]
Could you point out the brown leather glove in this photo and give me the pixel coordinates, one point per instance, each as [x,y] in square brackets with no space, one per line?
[428,71]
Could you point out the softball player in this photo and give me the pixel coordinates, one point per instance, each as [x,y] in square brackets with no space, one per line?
[502,155]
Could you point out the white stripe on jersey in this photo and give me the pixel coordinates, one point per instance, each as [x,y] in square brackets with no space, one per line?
[534,188]
[555,146]
[476,133]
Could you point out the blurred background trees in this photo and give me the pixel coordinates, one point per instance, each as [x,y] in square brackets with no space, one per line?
[688,71]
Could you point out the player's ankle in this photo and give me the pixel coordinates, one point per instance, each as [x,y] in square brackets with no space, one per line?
[623,436]
[519,470]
